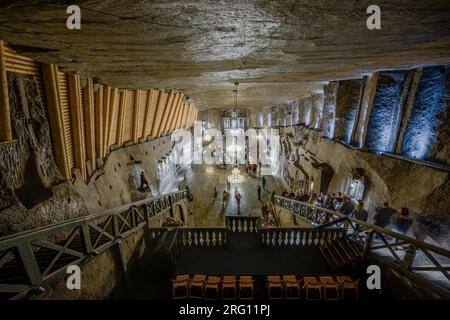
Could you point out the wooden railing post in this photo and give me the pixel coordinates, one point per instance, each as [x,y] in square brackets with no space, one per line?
[367,244]
[409,257]
[29,263]
[5,114]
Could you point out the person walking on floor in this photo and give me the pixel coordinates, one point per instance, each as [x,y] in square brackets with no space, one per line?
[215,193]
[238,201]
[259,192]
[264,182]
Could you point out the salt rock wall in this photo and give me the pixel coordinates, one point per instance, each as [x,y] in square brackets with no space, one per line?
[424,190]
[33,193]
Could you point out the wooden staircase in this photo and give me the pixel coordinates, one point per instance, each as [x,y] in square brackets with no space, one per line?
[340,254]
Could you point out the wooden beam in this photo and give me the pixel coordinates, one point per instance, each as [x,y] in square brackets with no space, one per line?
[5,113]
[89,122]
[158,112]
[53,98]
[76,118]
[121,118]
[165,113]
[173,125]
[136,107]
[189,117]
[180,116]
[146,125]
[106,111]
[99,122]
[171,113]
[112,115]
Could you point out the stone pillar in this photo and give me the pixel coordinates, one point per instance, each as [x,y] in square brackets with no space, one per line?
[316,110]
[428,130]
[329,109]
[347,103]
[383,116]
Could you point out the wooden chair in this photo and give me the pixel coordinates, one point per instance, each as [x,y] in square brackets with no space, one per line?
[313,288]
[196,286]
[331,288]
[349,287]
[246,287]
[212,288]
[291,287]
[274,287]
[229,288]
[180,287]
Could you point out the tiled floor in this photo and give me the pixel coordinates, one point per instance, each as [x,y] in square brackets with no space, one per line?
[201,180]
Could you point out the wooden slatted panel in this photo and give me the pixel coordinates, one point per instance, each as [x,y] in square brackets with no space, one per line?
[142,104]
[115,120]
[83,125]
[65,109]
[159,112]
[128,124]
[18,63]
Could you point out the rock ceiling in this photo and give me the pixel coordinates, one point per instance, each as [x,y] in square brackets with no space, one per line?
[277,50]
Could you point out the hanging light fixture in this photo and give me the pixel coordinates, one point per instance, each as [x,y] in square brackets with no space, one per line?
[235,177]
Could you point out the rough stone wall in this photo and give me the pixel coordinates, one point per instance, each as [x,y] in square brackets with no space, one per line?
[428,132]
[32,190]
[385,111]
[346,107]
[424,190]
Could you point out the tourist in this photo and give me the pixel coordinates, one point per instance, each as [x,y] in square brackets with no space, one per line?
[273,195]
[238,201]
[264,182]
[228,185]
[304,198]
[291,195]
[258,189]
[383,215]
[284,194]
[347,206]
[225,196]
[312,200]
[359,213]
[402,221]
[328,203]
[215,192]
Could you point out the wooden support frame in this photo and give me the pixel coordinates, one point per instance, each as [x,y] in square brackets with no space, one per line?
[111,116]
[76,118]
[179,111]
[185,114]
[53,97]
[165,113]
[89,119]
[99,122]
[171,114]
[5,113]
[136,108]
[146,125]
[121,118]
[190,116]
[106,111]
[158,112]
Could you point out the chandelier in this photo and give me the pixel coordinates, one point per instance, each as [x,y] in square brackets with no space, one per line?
[235,177]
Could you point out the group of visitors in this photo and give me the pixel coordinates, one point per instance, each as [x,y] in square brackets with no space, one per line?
[383,217]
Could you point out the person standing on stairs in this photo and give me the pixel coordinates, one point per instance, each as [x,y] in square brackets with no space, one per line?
[258,189]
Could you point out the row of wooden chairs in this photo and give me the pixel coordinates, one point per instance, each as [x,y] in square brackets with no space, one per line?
[212,287]
[312,288]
